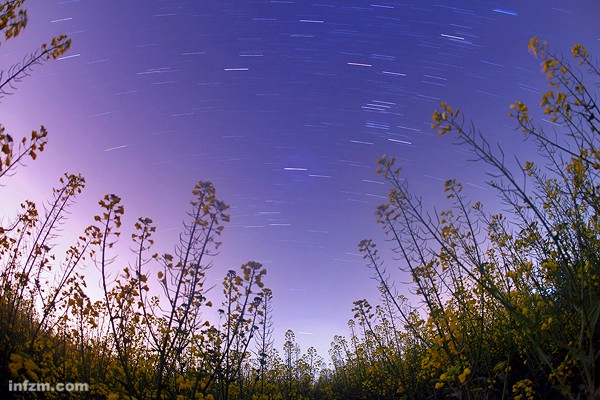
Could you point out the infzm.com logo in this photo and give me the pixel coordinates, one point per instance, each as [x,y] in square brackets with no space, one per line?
[26,386]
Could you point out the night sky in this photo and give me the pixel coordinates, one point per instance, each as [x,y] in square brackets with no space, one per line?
[285,106]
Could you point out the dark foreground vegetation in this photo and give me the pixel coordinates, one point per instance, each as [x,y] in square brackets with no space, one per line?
[510,302]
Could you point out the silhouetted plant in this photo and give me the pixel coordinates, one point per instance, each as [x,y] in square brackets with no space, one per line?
[512,303]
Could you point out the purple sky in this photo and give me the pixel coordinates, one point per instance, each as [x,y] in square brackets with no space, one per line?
[284,106]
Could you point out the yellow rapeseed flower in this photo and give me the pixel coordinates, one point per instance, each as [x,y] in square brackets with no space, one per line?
[463,377]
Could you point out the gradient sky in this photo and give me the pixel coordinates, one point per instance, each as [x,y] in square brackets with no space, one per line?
[285,106]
